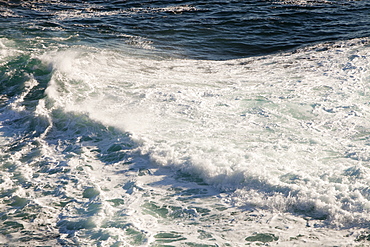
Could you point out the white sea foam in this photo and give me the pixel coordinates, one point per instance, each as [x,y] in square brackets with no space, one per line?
[282,139]
[7,50]
[125,148]
[289,131]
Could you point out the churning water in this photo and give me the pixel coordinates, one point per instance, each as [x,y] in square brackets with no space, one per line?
[184,123]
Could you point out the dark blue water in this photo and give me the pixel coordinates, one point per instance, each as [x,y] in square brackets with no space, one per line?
[194,29]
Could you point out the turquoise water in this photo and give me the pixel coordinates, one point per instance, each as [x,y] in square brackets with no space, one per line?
[184,123]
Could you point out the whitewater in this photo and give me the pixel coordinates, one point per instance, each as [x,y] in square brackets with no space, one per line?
[127,144]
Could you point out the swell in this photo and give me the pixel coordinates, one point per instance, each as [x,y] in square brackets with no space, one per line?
[218,30]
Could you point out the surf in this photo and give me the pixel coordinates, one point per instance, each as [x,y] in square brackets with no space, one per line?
[133,149]
[271,125]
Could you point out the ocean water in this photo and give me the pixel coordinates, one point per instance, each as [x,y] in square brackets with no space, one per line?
[185,123]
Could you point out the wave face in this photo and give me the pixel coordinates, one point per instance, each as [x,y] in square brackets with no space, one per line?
[113,135]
